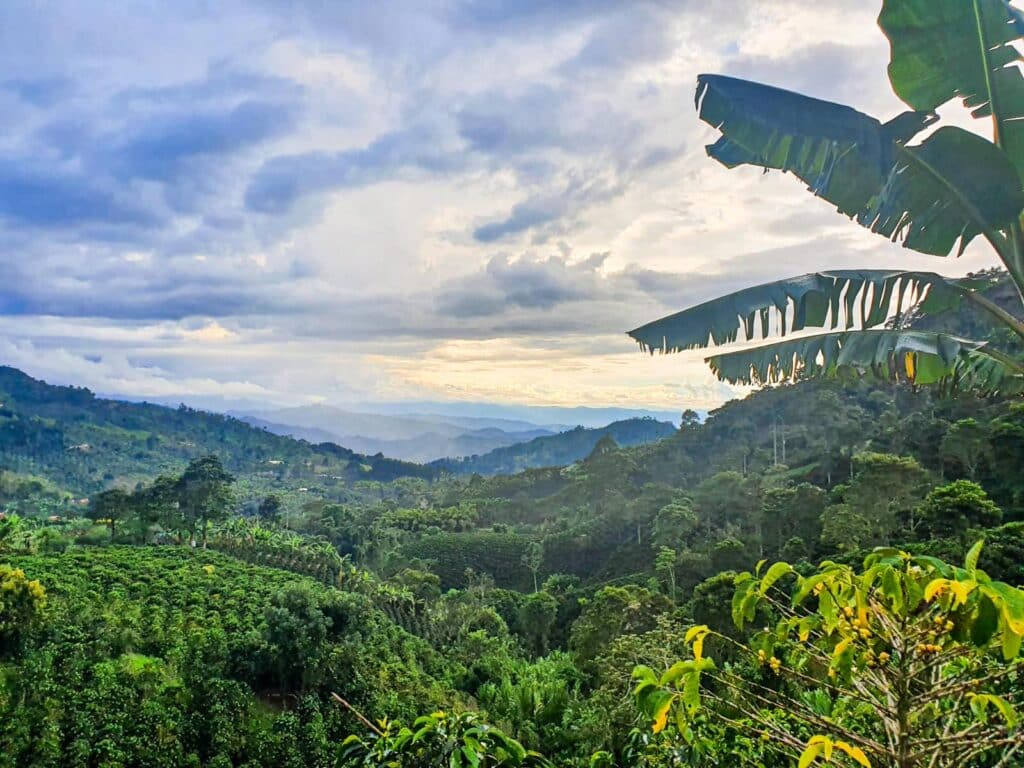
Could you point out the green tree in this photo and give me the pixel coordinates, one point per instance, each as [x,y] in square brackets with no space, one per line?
[966,445]
[155,504]
[951,511]
[110,507]
[879,501]
[934,196]
[612,612]
[674,525]
[536,620]
[665,564]
[728,555]
[791,512]
[533,559]
[689,420]
[204,495]
[727,498]
[906,663]
[269,509]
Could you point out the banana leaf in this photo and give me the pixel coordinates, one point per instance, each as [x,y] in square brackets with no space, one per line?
[839,299]
[946,49]
[917,357]
[933,197]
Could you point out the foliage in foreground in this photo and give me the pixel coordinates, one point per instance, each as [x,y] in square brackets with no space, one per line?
[908,662]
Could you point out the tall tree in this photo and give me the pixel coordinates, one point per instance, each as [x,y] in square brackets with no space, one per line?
[111,507]
[966,445]
[934,196]
[204,495]
[953,510]
[155,503]
[269,509]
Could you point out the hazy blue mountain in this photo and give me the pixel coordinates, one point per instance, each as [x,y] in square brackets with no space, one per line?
[558,450]
[544,416]
[410,437]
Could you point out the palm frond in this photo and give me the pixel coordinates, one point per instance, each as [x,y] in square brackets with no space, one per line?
[839,299]
[945,49]
[916,357]
[933,197]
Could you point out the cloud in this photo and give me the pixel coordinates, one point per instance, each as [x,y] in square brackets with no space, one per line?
[52,197]
[297,200]
[285,179]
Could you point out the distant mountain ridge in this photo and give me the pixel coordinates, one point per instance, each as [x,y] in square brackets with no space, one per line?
[425,437]
[559,450]
[409,437]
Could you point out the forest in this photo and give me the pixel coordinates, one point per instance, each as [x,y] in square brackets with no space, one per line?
[826,571]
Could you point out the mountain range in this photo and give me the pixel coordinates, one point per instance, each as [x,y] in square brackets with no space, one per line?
[431,436]
[76,441]
[559,450]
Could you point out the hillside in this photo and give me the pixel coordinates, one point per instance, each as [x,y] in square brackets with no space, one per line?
[78,442]
[558,450]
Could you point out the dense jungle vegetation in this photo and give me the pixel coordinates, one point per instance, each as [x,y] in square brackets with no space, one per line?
[825,571]
[523,602]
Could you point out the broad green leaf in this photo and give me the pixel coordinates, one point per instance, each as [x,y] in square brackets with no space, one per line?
[738,606]
[952,187]
[839,299]
[918,357]
[946,49]
[841,154]
[933,197]
[1012,600]
[644,674]
[676,671]
[980,702]
[691,693]
[985,623]
[971,560]
[774,573]
[806,587]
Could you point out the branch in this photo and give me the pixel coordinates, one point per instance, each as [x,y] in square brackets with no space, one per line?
[357,713]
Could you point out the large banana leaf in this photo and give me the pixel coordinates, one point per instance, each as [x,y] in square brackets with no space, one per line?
[918,357]
[841,154]
[945,49]
[932,197]
[839,299]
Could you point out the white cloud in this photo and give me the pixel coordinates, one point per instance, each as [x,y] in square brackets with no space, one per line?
[359,201]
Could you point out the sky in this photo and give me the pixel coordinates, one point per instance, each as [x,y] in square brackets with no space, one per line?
[426,200]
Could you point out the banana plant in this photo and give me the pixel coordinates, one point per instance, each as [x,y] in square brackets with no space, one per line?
[934,196]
